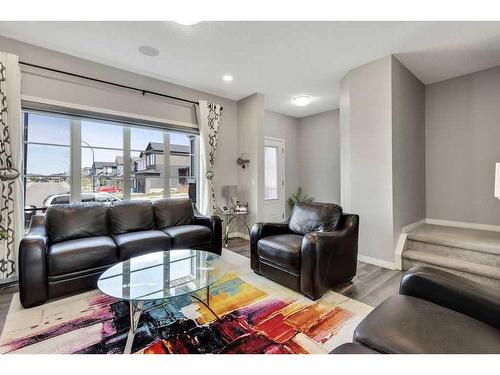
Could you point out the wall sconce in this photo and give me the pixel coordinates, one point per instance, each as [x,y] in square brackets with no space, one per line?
[243,161]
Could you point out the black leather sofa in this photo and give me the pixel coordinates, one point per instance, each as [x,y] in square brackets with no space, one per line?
[68,248]
[314,251]
[436,312]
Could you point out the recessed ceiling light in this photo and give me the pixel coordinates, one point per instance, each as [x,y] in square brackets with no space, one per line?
[149,51]
[302,100]
[187,22]
[227,77]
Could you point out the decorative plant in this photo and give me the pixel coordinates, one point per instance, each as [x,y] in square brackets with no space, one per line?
[298,197]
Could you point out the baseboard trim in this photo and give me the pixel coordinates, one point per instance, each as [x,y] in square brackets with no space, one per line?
[461,224]
[376,262]
[245,236]
[414,225]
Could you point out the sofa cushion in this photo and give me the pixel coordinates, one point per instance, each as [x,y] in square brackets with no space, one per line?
[401,325]
[172,212]
[312,217]
[137,243]
[131,216]
[76,220]
[81,254]
[189,236]
[283,249]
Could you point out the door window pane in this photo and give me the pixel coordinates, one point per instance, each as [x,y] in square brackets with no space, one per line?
[271,172]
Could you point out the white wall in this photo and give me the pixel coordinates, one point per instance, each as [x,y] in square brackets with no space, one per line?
[462,146]
[107,97]
[286,127]
[319,156]
[408,146]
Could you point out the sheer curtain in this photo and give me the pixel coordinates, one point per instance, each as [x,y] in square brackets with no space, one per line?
[11,197]
[209,122]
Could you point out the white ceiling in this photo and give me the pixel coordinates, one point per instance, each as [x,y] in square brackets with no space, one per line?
[278,59]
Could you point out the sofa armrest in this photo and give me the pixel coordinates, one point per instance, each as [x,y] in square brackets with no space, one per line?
[329,258]
[261,230]
[214,223]
[481,302]
[32,264]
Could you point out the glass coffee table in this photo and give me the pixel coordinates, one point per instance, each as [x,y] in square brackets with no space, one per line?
[160,276]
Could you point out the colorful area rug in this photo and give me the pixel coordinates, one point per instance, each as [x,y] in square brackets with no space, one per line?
[256,316]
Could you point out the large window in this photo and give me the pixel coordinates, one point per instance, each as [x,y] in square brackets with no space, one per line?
[116,161]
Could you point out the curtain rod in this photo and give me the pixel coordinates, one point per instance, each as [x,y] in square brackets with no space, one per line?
[144,92]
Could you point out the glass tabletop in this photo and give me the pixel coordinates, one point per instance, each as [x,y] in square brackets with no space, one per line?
[162,275]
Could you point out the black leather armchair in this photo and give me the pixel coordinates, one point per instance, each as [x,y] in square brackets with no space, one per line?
[313,252]
[68,248]
[436,312]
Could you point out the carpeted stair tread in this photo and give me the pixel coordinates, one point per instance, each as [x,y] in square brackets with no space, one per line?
[463,238]
[459,265]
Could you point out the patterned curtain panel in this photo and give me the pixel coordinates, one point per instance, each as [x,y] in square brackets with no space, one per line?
[209,121]
[11,198]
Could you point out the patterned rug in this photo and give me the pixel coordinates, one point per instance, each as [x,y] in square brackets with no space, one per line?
[256,316]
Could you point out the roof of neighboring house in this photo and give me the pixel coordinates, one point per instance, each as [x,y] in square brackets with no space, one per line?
[147,172]
[157,146]
[119,159]
[102,164]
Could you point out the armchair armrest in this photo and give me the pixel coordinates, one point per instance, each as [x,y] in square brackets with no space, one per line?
[261,230]
[215,224]
[329,258]
[481,302]
[32,264]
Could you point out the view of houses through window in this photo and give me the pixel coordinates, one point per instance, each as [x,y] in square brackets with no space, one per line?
[106,150]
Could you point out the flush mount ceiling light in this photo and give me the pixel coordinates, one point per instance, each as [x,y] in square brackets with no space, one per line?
[302,100]
[187,22]
[227,77]
[149,51]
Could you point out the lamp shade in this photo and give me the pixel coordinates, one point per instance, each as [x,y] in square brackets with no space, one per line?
[497,180]
[230,191]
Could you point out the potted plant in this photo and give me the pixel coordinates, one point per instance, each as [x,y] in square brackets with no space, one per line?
[298,197]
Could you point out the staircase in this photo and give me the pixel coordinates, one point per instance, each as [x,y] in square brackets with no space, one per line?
[471,253]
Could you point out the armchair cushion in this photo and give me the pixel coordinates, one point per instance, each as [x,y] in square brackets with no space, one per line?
[76,220]
[313,217]
[172,212]
[408,325]
[83,253]
[189,236]
[283,250]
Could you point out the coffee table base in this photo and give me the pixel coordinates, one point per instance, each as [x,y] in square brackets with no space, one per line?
[136,311]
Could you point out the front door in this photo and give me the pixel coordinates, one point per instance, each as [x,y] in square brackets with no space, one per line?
[274,180]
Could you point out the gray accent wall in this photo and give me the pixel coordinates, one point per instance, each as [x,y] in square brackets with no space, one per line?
[462,118]
[286,127]
[251,118]
[368,121]
[408,145]
[382,160]
[319,156]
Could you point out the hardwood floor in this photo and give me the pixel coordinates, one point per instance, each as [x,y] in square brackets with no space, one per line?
[371,285]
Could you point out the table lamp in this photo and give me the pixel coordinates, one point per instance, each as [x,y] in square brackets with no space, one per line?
[230,192]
